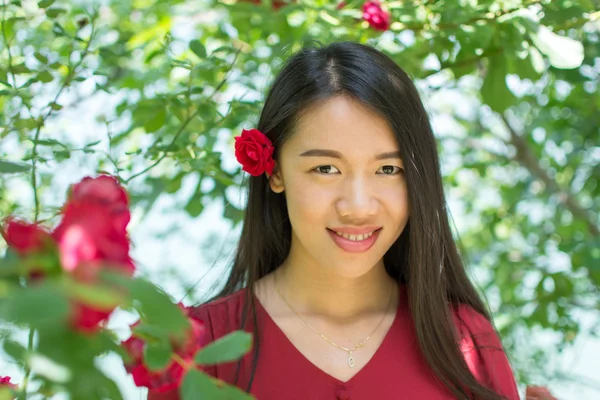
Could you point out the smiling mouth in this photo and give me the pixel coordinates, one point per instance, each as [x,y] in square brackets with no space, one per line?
[356,238]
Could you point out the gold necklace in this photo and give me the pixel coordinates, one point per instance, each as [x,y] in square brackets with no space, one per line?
[351,362]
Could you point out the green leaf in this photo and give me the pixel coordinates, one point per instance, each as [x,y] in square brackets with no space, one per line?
[45,3]
[228,348]
[20,69]
[15,350]
[156,121]
[563,52]
[197,385]
[6,394]
[150,333]
[49,142]
[198,48]
[494,91]
[156,307]
[45,76]
[157,355]
[91,144]
[7,167]
[26,123]
[194,206]
[38,306]
[55,12]
[40,57]
[524,67]
[94,295]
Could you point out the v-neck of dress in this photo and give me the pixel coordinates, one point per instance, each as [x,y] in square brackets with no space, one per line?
[361,372]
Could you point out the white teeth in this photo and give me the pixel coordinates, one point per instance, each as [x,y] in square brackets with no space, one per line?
[355,238]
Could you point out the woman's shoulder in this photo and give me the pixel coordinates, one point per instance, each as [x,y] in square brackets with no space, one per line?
[221,315]
[473,325]
[483,352]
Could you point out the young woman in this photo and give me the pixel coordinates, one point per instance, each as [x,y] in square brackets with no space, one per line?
[346,270]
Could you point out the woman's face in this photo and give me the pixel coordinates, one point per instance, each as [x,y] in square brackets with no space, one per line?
[342,170]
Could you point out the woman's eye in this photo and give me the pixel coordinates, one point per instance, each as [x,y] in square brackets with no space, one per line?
[389,169]
[325,169]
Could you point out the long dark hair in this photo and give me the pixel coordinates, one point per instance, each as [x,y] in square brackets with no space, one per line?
[425,256]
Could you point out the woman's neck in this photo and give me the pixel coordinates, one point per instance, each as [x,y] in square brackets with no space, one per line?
[321,293]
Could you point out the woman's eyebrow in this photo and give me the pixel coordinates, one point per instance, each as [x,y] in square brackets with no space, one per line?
[337,154]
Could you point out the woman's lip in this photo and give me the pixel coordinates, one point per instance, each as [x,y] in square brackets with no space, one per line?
[353,246]
[355,231]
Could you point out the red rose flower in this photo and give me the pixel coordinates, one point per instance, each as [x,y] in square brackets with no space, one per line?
[27,239]
[376,17]
[88,241]
[169,378]
[254,151]
[86,319]
[538,393]
[87,233]
[91,236]
[106,191]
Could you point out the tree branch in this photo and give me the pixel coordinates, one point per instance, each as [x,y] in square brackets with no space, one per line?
[526,158]
[488,17]
[66,83]
[185,124]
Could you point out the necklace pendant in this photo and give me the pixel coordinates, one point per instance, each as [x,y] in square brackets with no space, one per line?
[350,360]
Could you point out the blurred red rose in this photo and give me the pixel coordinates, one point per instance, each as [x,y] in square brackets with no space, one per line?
[169,378]
[376,17]
[86,319]
[28,239]
[88,242]
[86,233]
[91,236]
[104,190]
[538,393]
[25,237]
[5,382]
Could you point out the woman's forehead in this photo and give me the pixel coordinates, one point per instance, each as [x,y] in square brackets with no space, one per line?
[344,125]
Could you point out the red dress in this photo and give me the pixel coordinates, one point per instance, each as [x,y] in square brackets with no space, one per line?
[396,370]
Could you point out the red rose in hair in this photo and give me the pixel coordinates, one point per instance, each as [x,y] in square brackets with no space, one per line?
[254,150]
[376,16]
[169,378]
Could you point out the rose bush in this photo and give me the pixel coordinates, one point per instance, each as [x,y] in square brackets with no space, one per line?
[65,283]
[61,54]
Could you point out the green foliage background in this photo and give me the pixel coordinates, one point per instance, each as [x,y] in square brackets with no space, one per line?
[520,148]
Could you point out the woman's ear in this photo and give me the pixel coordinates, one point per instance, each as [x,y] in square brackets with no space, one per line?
[276,180]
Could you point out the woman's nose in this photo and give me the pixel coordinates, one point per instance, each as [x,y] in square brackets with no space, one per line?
[357,200]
